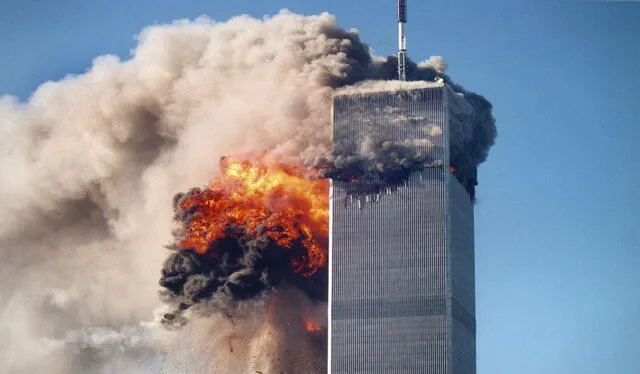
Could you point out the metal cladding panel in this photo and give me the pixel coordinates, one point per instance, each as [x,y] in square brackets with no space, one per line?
[381,243]
[414,117]
[390,287]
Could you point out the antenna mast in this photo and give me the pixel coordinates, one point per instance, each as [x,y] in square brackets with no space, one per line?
[402,40]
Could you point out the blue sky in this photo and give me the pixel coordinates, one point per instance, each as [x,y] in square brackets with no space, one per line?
[557,234]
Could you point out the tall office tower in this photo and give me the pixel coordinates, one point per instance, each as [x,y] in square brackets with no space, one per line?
[402,292]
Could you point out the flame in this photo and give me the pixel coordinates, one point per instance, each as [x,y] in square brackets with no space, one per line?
[311,326]
[282,201]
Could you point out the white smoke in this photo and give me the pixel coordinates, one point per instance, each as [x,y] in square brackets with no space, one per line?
[436,62]
[90,165]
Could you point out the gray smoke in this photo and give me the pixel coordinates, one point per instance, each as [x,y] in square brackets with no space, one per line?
[92,162]
[381,164]
[90,165]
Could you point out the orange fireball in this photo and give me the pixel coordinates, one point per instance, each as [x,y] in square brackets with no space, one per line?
[283,202]
[311,326]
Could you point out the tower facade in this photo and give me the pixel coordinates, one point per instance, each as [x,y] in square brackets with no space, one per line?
[402,288]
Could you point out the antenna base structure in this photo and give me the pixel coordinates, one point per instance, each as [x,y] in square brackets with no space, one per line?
[402,65]
[402,40]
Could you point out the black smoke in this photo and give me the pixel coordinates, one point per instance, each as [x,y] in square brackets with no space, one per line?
[391,164]
[237,267]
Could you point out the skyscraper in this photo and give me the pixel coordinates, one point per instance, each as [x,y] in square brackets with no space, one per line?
[402,288]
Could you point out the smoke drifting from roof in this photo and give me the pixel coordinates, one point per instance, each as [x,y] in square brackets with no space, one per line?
[472,128]
[92,162]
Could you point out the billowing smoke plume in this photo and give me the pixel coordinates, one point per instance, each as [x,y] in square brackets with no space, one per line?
[379,163]
[90,166]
